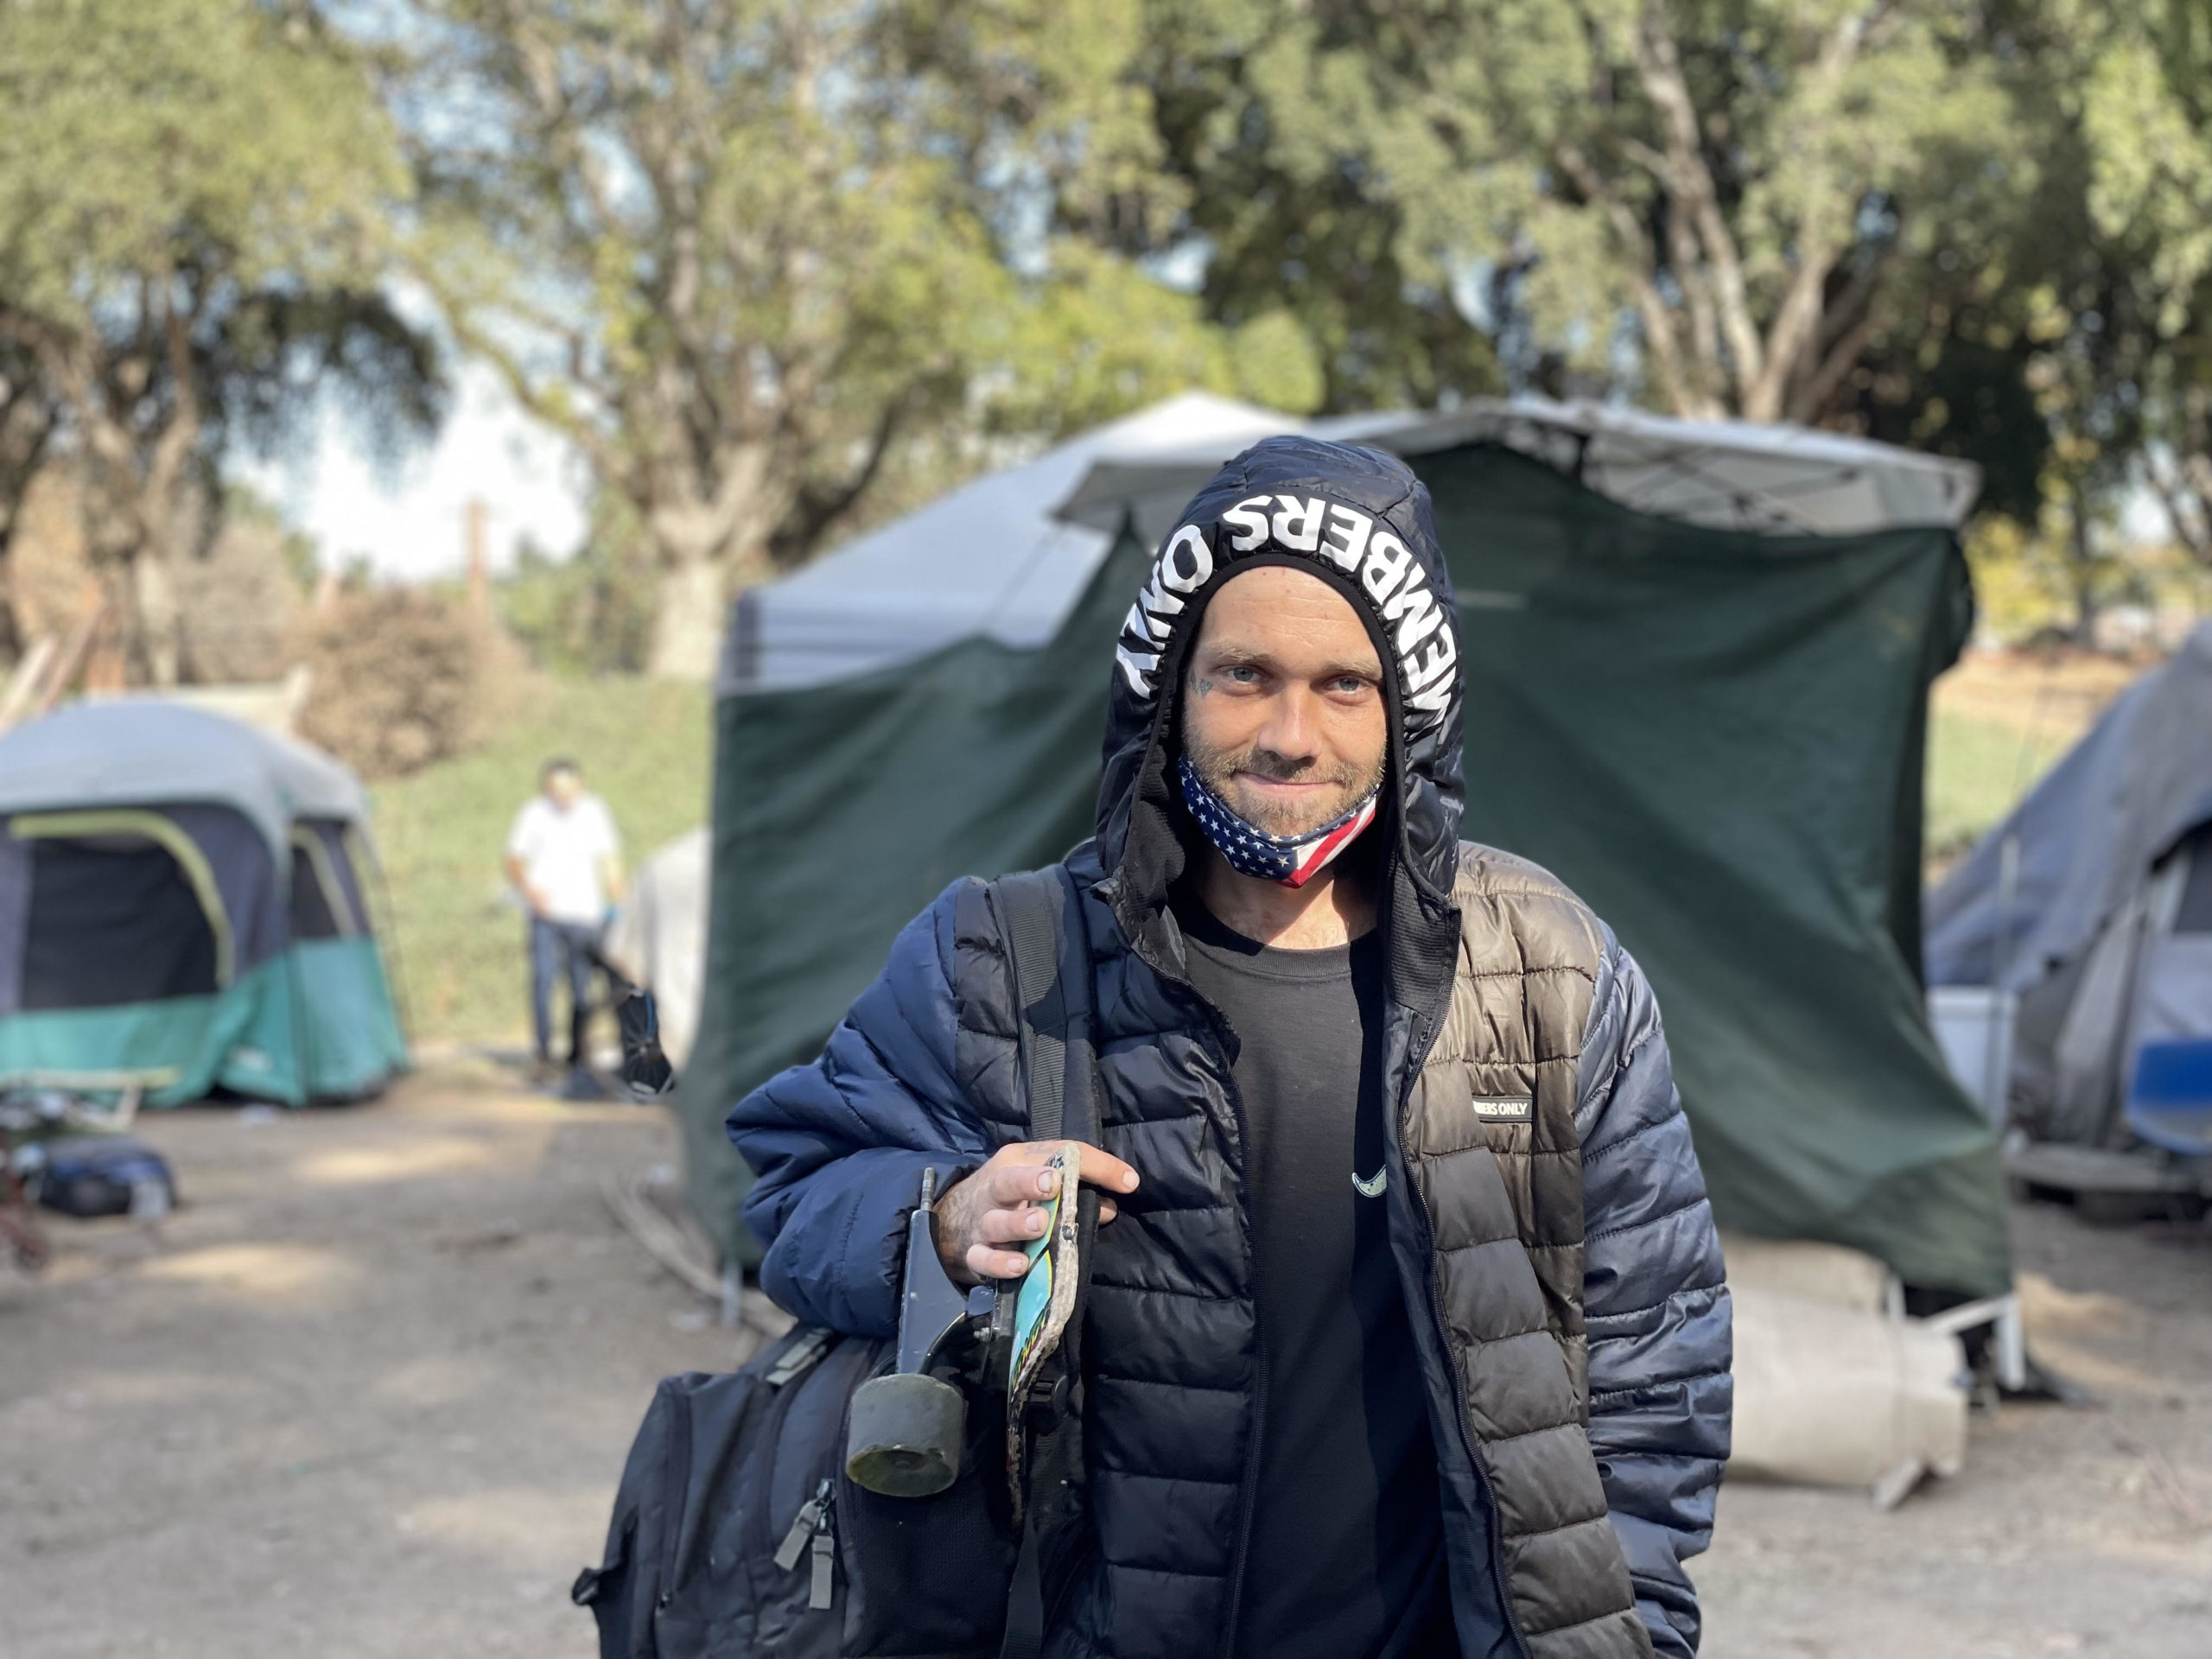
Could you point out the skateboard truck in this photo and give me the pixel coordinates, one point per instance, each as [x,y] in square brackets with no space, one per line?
[906,1427]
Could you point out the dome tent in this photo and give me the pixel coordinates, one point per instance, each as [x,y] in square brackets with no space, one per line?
[183,907]
[2092,903]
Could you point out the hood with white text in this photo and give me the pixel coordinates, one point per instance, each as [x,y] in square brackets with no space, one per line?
[1361,521]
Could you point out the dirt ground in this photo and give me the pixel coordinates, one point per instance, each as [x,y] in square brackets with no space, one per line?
[367,1393]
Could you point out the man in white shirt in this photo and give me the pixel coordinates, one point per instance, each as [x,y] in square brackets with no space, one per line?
[566,860]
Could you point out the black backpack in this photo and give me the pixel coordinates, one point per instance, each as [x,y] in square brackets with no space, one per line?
[737,1533]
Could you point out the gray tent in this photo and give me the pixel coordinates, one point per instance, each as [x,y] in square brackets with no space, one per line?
[988,560]
[2093,903]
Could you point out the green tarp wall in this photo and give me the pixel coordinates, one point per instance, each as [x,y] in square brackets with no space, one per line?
[1716,738]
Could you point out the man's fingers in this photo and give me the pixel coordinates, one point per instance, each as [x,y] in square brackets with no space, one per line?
[1104,1169]
[1023,1183]
[986,1263]
[1019,1174]
[1004,1226]
[1107,1211]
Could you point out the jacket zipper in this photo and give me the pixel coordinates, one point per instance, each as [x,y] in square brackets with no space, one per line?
[1248,1488]
[1452,1370]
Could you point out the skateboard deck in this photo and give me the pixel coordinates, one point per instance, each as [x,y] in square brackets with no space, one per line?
[1042,1305]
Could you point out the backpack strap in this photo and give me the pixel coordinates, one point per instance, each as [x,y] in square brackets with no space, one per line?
[1040,916]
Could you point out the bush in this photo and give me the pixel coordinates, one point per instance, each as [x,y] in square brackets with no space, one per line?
[403,678]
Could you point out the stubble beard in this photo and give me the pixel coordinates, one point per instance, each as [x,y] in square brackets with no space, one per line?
[1218,768]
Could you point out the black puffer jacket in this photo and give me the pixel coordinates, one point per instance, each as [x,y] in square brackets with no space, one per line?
[1546,1206]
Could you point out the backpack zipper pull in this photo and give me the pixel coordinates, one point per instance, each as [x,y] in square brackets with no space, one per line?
[823,1591]
[803,1525]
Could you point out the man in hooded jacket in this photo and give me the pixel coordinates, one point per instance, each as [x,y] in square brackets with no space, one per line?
[1410,1336]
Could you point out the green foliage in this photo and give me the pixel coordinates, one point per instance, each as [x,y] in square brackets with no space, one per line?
[1277,365]
[739,252]
[141,131]
[644,746]
[2124,372]
[2037,581]
[1282,147]
[192,195]
[1743,179]
[590,614]
[1096,338]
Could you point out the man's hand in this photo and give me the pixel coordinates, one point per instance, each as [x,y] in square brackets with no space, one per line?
[983,1221]
[531,896]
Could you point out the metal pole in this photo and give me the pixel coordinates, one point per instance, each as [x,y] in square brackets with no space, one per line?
[1995,1058]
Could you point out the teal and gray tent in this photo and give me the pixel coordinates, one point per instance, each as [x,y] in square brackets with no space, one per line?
[1698,659]
[183,907]
[2092,902]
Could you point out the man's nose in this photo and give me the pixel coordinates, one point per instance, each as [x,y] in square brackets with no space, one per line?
[1291,731]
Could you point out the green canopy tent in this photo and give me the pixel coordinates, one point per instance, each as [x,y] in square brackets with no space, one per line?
[183,907]
[1698,659]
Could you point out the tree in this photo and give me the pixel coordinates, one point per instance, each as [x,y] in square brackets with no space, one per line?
[719,245]
[190,193]
[27,420]
[1180,132]
[2065,348]
[2135,332]
[1706,199]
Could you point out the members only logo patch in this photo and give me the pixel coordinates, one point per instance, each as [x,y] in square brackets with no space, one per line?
[1506,1108]
[1416,622]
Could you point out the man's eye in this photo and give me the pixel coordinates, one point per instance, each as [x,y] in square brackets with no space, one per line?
[1348,684]
[1243,673]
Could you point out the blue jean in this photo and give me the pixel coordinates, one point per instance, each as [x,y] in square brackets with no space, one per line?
[561,950]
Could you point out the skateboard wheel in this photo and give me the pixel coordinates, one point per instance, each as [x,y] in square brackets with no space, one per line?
[903,1437]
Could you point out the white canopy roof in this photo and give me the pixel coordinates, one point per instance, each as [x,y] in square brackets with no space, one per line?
[144,752]
[1007,555]
[1726,475]
[988,558]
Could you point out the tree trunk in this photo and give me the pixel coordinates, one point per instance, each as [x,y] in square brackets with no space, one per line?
[153,594]
[687,619]
[2084,575]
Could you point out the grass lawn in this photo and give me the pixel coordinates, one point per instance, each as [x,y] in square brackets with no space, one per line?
[1999,722]
[645,747]
[1977,770]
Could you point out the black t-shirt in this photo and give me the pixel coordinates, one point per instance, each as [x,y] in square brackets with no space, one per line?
[1346,1555]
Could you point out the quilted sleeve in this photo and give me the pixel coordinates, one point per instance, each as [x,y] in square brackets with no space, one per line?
[840,1145]
[1654,1302]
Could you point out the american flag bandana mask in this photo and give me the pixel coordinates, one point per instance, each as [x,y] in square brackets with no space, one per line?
[1292,860]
